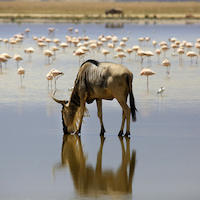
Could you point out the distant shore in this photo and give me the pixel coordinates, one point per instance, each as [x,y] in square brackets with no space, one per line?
[81,18]
[83,12]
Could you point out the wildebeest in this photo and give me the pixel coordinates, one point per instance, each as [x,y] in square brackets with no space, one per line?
[115,11]
[96,81]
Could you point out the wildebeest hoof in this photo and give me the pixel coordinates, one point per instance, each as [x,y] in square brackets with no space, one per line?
[120,133]
[102,134]
[127,134]
[77,133]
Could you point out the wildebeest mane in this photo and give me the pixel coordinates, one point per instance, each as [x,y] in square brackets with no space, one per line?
[75,99]
[90,71]
[95,62]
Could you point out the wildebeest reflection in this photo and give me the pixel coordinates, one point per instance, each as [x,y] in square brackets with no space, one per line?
[96,81]
[114,25]
[95,180]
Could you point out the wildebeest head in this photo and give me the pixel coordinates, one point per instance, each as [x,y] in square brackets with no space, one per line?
[69,115]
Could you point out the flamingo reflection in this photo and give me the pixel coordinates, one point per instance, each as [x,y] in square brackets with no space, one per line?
[95,180]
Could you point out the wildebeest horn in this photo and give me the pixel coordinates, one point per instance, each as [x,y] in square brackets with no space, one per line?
[62,101]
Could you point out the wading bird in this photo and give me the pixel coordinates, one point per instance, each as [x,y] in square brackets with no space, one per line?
[17,57]
[147,72]
[161,90]
[7,56]
[29,51]
[105,52]
[121,55]
[54,49]
[56,74]
[167,64]
[49,78]
[21,72]
[63,45]
[79,52]
[2,59]
[49,54]
[192,54]
[180,52]
[158,52]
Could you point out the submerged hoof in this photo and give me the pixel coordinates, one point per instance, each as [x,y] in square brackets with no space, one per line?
[101,134]
[102,131]
[120,133]
[127,134]
[77,133]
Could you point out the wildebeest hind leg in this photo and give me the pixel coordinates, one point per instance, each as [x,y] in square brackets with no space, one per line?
[127,113]
[122,126]
[99,114]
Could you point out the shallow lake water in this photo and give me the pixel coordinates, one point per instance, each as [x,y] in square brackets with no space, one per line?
[160,160]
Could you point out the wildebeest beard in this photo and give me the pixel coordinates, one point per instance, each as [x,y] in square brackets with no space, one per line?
[71,116]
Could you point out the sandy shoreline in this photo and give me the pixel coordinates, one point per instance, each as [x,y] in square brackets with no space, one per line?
[92,18]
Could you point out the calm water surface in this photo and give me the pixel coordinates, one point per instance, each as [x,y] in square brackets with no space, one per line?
[159,161]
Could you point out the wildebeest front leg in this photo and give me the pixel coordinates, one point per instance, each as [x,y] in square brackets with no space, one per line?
[82,109]
[99,114]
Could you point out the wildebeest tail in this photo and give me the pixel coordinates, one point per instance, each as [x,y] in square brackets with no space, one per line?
[132,100]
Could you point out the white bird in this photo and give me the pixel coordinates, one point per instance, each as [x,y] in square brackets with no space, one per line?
[161,90]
